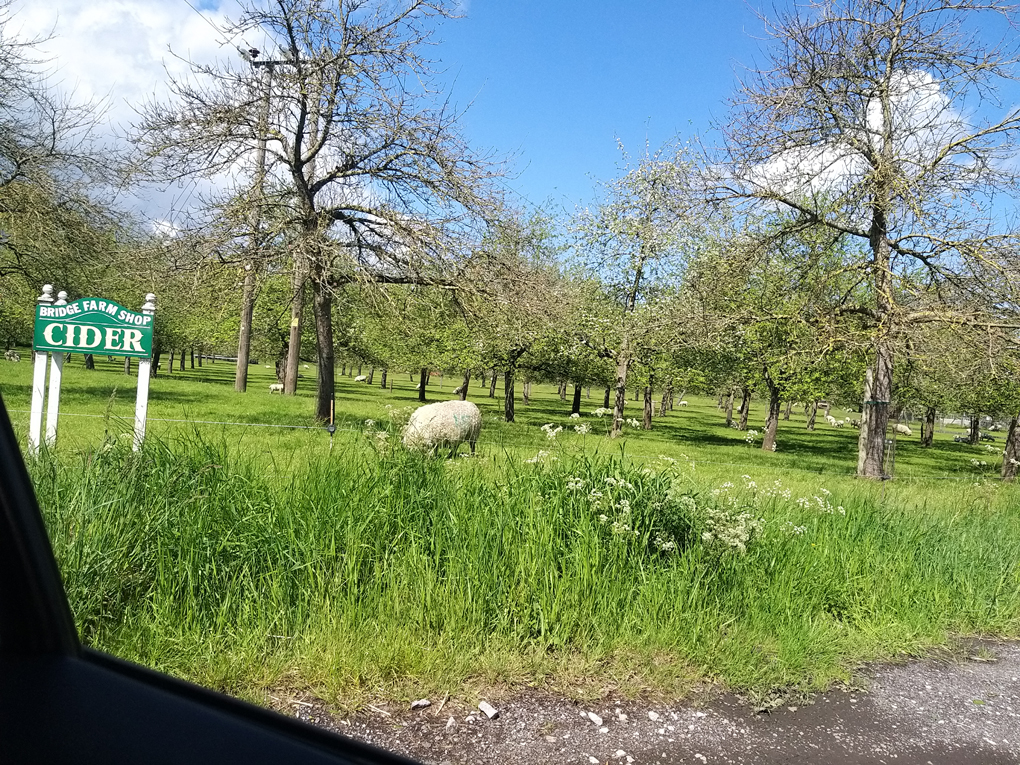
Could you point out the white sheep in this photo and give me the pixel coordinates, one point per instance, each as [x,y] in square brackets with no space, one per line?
[12,355]
[840,423]
[831,420]
[276,388]
[448,423]
[902,429]
[361,378]
[682,403]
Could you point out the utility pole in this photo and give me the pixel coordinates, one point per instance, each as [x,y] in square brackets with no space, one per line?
[248,291]
[301,262]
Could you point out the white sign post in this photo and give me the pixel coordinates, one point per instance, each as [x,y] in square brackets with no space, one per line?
[142,399]
[88,325]
[56,373]
[38,385]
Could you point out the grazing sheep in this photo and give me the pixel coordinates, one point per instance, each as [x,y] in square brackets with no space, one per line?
[361,378]
[682,403]
[961,439]
[276,388]
[831,420]
[903,430]
[840,423]
[448,423]
[12,355]
[855,424]
[986,437]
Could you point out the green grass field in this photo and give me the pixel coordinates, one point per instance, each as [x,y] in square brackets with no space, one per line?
[250,558]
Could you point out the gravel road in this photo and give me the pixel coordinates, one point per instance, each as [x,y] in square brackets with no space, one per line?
[932,712]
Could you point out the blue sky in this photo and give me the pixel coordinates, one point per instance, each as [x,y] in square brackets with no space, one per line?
[555,83]
[551,84]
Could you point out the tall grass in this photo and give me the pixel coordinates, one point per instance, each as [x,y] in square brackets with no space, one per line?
[370,571]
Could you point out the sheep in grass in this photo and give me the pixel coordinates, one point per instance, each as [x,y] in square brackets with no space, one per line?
[855,424]
[361,378]
[902,429]
[276,388]
[448,423]
[831,420]
[12,355]
[682,403]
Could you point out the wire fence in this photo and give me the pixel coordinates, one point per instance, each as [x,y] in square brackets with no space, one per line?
[338,429]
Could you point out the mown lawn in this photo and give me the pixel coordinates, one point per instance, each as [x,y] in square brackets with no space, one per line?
[249,558]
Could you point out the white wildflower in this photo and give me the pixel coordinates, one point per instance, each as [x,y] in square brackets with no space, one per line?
[551,431]
[583,429]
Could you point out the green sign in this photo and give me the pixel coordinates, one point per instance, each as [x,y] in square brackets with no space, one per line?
[91,325]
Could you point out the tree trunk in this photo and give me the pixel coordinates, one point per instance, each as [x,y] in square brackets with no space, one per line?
[281,369]
[575,405]
[492,385]
[928,426]
[170,368]
[382,381]
[622,367]
[422,382]
[587,391]
[647,421]
[90,362]
[637,393]
[191,353]
[527,392]
[975,429]
[729,408]
[244,333]
[322,311]
[1011,458]
[812,412]
[127,363]
[483,378]
[789,406]
[605,403]
[745,407]
[464,385]
[201,351]
[359,369]
[875,413]
[371,375]
[297,312]
[508,394]
[667,392]
[182,360]
[563,390]
[768,441]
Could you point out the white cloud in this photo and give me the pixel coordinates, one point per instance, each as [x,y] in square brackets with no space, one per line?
[923,124]
[118,53]
[117,49]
